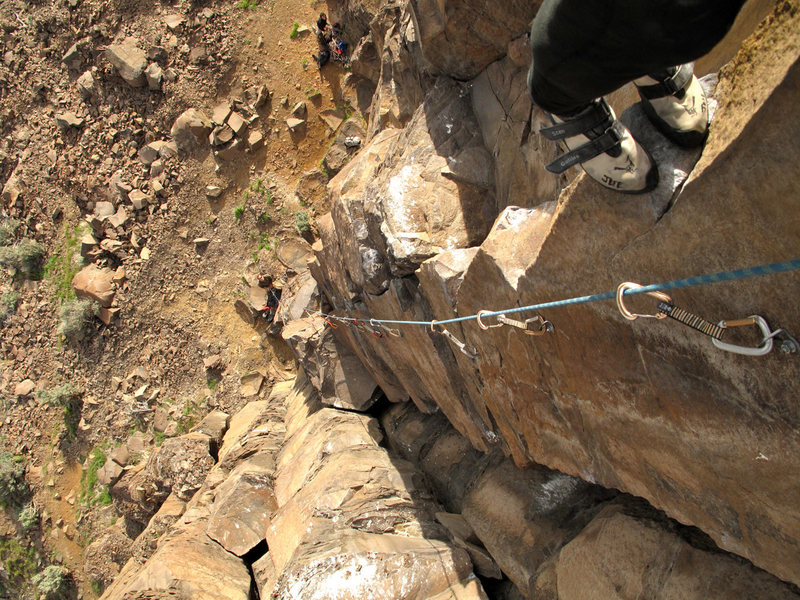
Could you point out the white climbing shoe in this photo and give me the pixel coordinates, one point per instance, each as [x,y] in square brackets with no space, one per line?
[676,104]
[604,148]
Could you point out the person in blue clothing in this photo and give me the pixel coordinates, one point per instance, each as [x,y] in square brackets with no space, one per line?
[587,49]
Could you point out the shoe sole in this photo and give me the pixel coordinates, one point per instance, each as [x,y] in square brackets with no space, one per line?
[684,139]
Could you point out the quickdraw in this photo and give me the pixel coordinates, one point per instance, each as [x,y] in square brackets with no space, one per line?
[667,309]
[541,325]
[470,351]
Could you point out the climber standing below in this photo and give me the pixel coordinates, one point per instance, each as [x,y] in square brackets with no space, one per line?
[272,299]
[585,50]
[322,22]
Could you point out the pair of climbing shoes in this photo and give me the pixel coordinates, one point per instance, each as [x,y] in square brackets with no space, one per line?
[605,148]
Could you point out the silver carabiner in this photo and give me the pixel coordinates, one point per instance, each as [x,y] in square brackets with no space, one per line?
[766,343]
[544,326]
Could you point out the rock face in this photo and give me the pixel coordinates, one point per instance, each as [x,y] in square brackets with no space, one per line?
[650,408]
[333,369]
[351,522]
[462,37]
[624,555]
[400,201]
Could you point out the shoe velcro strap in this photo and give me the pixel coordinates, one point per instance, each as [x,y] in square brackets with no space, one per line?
[597,115]
[668,87]
[589,150]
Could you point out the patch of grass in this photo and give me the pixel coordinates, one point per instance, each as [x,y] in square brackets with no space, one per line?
[65,262]
[293,32]
[159,437]
[25,258]
[97,586]
[264,242]
[301,222]
[90,494]
[254,256]
[247,4]
[77,317]
[13,487]
[304,63]
[258,186]
[238,212]
[264,218]
[189,416]
[212,385]
[8,231]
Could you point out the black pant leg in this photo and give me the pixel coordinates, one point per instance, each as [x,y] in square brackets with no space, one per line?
[584,49]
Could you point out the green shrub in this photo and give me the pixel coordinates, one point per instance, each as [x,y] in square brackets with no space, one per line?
[18,562]
[52,583]
[247,4]
[8,231]
[8,304]
[61,395]
[293,32]
[301,222]
[76,319]
[13,487]
[26,258]
[29,518]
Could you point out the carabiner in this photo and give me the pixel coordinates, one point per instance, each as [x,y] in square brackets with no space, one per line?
[481,323]
[766,343]
[544,326]
[629,285]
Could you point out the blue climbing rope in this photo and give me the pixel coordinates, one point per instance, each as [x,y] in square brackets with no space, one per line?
[769,269]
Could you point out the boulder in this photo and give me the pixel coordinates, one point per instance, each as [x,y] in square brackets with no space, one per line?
[462,37]
[95,284]
[339,154]
[623,554]
[242,508]
[24,388]
[311,186]
[190,129]
[139,199]
[129,60]
[105,556]
[194,564]
[334,371]
[295,125]
[214,425]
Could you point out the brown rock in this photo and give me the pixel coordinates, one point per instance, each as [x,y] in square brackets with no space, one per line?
[129,60]
[25,387]
[242,509]
[334,371]
[190,129]
[622,555]
[95,284]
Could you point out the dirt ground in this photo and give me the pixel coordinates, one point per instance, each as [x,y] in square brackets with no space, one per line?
[176,305]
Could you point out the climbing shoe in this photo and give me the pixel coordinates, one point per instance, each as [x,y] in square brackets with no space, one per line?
[604,148]
[676,104]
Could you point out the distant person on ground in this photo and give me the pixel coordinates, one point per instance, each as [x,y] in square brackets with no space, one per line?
[273,297]
[585,50]
[323,50]
[322,22]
